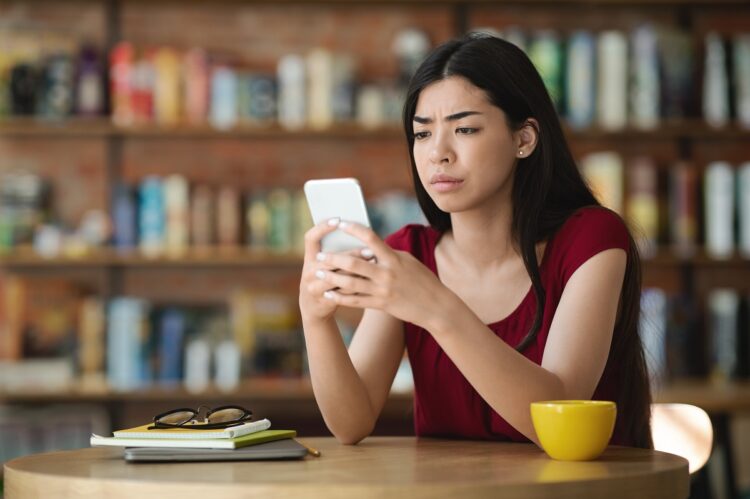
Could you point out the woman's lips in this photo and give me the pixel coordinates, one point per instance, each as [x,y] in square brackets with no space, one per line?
[445,184]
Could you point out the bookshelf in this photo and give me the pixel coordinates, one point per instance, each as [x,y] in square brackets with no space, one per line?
[85,157]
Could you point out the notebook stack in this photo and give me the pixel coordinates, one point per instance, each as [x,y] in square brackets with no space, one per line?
[249,441]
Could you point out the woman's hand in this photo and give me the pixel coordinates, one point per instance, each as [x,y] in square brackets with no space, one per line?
[312,304]
[392,281]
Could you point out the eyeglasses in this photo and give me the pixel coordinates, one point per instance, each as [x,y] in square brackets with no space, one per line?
[221,417]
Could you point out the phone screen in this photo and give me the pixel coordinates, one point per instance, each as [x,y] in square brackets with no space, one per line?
[337,197]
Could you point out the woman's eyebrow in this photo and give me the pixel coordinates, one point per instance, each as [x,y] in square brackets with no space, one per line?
[452,117]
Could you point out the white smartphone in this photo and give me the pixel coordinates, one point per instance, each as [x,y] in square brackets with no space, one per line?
[337,197]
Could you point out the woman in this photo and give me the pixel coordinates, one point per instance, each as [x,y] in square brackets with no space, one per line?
[523,288]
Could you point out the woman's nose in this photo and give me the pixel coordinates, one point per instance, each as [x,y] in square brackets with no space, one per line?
[441,152]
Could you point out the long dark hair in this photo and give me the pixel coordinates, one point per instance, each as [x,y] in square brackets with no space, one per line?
[547,190]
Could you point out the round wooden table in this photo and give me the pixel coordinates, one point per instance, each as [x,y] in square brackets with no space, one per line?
[377,467]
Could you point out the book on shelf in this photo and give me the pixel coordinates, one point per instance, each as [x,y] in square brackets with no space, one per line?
[207,443]
[642,211]
[186,433]
[580,85]
[604,173]
[683,209]
[719,187]
[723,310]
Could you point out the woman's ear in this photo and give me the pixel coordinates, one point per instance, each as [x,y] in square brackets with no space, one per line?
[526,138]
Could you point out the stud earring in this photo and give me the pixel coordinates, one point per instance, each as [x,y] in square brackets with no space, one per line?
[520,153]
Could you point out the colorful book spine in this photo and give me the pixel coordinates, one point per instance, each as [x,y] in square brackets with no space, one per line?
[370,107]
[262,90]
[643,205]
[223,114]
[715,82]
[545,52]
[228,220]
[197,365]
[241,321]
[89,91]
[676,55]
[167,86]
[176,194]
[171,337]
[120,77]
[258,219]
[653,330]
[91,332]
[723,307]
[342,103]
[612,80]
[124,218]
[151,217]
[683,209]
[301,221]
[13,303]
[741,65]
[56,89]
[196,82]
[280,226]
[292,107]
[227,359]
[125,361]
[644,85]
[143,84]
[743,209]
[320,75]
[719,210]
[604,173]
[580,83]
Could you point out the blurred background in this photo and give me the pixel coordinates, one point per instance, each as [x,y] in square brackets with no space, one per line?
[152,156]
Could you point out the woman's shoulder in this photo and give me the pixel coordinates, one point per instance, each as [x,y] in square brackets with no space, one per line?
[587,232]
[413,238]
[597,223]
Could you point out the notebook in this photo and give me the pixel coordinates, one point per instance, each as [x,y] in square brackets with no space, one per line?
[211,443]
[187,433]
[280,449]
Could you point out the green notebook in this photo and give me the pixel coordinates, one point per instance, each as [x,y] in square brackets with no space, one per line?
[210,443]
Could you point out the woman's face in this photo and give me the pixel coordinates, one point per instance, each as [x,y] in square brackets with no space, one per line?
[463,147]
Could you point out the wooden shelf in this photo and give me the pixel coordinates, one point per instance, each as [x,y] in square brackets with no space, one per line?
[215,257]
[102,127]
[238,257]
[267,389]
[666,259]
[728,397]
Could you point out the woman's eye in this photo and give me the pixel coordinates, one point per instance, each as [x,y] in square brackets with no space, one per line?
[421,135]
[466,130]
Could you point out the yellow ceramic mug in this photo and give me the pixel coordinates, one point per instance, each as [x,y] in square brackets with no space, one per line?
[574,430]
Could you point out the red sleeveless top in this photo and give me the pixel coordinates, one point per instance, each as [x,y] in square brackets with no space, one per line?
[445,404]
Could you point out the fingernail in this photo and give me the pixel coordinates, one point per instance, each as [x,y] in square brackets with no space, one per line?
[328,294]
[367,253]
[343,225]
[333,222]
[320,257]
[320,274]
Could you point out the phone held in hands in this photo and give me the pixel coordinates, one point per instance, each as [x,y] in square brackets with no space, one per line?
[337,198]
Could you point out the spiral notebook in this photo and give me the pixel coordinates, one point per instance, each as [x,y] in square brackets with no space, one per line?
[279,449]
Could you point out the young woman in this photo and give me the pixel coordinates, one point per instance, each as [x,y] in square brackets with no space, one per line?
[523,288]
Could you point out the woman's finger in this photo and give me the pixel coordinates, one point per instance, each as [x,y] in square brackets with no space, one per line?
[349,265]
[354,301]
[347,283]
[375,245]
[315,234]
